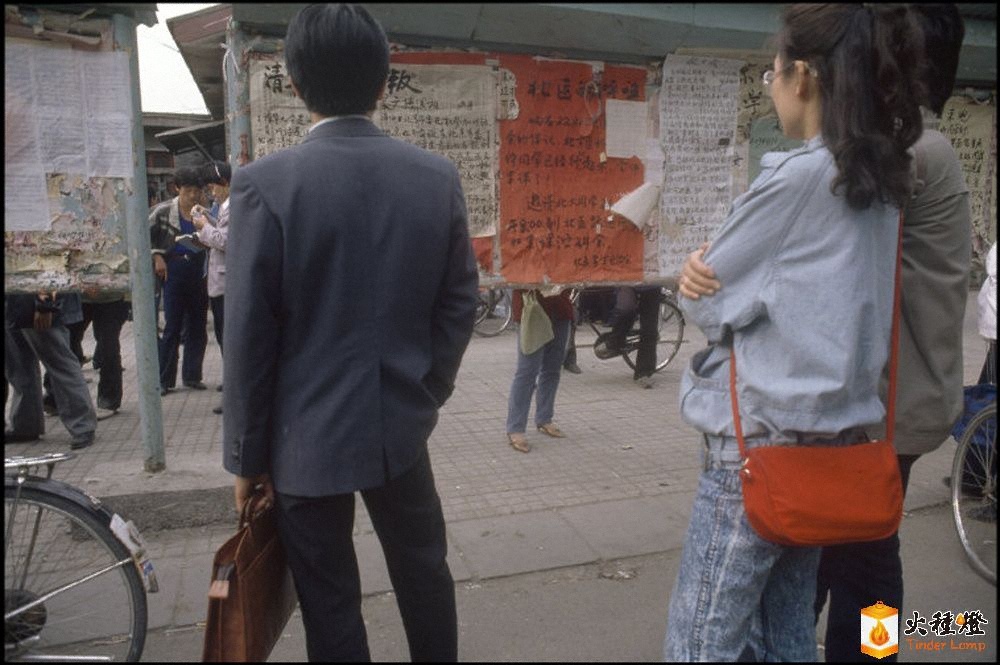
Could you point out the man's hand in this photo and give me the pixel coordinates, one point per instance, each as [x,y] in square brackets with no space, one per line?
[245,488]
[160,266]
[43,320]
[697,278]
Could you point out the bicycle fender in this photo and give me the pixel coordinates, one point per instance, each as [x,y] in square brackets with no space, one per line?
[126,532]
[65,491]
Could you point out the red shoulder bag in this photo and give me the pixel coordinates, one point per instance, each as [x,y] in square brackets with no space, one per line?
[816,495]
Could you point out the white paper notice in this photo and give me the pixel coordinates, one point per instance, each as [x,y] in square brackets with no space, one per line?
[61,111]
[80,103]
[107,86]
[698,106]
[25,205]
[626,128]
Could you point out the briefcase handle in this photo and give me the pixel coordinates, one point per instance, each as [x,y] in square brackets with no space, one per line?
[251,509]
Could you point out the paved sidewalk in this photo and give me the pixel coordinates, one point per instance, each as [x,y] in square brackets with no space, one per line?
[621,485]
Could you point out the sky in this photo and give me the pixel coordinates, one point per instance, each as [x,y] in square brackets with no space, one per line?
[164,79]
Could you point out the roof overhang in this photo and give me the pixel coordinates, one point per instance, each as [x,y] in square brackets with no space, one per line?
[194,137]
[622,32]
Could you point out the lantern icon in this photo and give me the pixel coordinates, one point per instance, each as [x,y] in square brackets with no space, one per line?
[879,630]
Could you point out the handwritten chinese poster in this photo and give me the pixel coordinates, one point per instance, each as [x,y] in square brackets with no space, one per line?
[556,181]
[971,126]
[698,107]
[450,110]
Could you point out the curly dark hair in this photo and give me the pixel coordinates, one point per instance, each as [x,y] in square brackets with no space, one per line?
[870,64]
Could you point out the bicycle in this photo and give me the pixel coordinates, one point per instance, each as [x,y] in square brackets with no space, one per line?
[75,574]
[974,483]
[493,312]
[670,331]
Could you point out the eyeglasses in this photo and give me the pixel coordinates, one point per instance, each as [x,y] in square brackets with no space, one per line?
[768,77]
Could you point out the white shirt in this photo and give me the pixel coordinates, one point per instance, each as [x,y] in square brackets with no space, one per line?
[333,118]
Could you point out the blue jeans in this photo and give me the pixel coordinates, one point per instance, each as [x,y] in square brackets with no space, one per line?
[733,584]
[542,367]
[185,304]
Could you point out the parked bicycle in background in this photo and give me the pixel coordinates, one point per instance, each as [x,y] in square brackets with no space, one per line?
[493,312]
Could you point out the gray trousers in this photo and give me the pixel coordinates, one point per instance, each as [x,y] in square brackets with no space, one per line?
[23,349]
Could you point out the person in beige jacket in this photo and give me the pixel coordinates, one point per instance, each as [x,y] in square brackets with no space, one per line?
[214,236]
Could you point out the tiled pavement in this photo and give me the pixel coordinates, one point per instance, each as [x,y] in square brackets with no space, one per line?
[621,484]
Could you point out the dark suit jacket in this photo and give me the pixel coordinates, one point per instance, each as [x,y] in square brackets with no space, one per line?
[350,296]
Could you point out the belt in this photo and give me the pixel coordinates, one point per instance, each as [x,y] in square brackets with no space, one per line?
[723,452]
[720,452]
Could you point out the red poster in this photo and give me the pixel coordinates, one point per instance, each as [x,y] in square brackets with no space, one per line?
[555,184]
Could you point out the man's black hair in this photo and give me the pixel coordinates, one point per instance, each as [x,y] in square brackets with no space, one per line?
[188,176]
[338,58]
[943,30]
[216,173]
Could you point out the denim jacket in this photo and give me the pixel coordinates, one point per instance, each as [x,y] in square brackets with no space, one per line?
[806,297]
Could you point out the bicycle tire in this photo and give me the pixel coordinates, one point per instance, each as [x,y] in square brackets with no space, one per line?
[494,313]
[670,334]
[975,509]
[104,616]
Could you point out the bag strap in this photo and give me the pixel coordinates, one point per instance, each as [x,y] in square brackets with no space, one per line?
[893,356]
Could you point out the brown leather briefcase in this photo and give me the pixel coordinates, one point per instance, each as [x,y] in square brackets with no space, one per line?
[252,595]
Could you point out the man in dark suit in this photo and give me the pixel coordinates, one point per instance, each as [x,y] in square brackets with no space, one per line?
[351,294]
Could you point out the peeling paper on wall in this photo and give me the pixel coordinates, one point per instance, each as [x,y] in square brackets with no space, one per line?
[507,108]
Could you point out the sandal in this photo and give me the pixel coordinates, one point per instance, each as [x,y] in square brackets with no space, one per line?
[518,441]
[551,430]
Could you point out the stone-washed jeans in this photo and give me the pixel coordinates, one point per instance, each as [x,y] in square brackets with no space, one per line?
[732,584]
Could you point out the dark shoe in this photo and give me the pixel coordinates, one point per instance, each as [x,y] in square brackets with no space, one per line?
[50,409]
[572,368]
[196,385]
[84,441]
[219,388]
[10,436]
[217,410]
[605,348]
[164,390]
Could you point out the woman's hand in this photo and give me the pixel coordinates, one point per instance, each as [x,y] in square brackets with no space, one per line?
[697,277]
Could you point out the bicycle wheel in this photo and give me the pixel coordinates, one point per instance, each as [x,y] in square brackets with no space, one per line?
[974,492]
[670,334]
[493,312]
[71,589]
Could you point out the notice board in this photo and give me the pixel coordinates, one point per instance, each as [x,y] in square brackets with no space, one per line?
[527,135]
[546,146]
[69,164]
